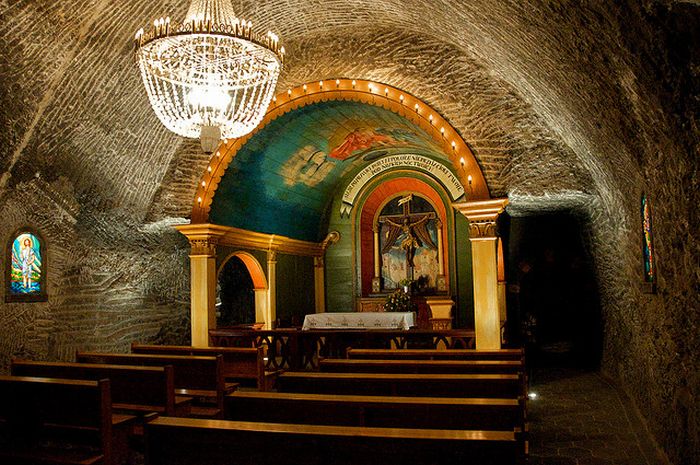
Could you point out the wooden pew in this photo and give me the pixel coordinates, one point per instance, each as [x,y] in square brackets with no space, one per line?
[240,363]
[430,354]
[185,441]
[342,365]
[135,389]
[54,421]
[377,411]
[201,378]
[398,384]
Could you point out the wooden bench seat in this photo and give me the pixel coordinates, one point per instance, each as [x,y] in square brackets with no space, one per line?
[199,377]
[135,389]
[59,421]
[398,384]
[241,364]
[342,365]
[377,411]
[184,441]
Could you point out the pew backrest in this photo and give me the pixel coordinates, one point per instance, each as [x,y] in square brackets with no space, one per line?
[342,365]
[399,384]
[36,413]
[185,441]
[132,387]
[431,354]
[377,411]
[239,363]
[190,372]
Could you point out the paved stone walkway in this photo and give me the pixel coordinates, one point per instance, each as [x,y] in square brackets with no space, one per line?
[579,418]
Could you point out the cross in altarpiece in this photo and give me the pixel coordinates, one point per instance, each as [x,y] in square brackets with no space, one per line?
[408,230]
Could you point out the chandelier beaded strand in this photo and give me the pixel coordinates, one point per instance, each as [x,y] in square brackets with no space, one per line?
[210,77]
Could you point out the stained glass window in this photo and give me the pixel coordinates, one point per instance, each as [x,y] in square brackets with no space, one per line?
[647,243]
[26,268]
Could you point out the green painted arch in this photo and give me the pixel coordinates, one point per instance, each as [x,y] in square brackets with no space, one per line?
[284,179]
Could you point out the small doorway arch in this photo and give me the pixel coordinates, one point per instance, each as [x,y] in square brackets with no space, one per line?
[258,284]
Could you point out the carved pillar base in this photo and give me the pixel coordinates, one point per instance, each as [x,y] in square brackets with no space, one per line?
[376,285]
[441,312]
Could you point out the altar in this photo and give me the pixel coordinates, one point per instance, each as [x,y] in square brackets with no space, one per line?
[360,320]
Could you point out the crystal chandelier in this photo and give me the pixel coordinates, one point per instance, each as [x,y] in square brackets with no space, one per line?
[210,77]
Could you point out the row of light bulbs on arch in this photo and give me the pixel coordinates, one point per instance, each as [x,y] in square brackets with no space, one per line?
[371,89]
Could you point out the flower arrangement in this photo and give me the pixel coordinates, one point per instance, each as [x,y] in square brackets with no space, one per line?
[398,301]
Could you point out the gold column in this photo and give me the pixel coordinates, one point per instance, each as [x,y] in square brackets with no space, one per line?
[271,286]
[376,280]
[502,312]
[482,217]
[202,289]
[319,284]
[441,281]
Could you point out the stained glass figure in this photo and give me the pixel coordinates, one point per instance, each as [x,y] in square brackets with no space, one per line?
[26,267]
[647,243]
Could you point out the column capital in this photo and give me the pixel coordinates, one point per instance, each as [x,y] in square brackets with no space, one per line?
[203,238]
[271,256]
[203,246]
[482,216]
[319,262]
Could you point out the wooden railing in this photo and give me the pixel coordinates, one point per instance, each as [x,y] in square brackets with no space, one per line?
[294,349]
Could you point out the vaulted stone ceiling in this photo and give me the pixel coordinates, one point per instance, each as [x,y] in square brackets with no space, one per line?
[578,106]
[530,87]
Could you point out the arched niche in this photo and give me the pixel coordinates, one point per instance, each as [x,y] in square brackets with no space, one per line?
[377,195]
[259,282]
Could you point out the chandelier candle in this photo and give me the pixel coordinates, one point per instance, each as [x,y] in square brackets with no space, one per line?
[210,75]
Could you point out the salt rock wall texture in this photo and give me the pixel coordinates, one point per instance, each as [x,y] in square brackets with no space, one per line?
[567,106]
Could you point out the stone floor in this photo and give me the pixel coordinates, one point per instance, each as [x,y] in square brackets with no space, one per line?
[580,418]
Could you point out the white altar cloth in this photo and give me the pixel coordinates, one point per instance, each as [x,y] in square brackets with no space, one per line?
[360,320]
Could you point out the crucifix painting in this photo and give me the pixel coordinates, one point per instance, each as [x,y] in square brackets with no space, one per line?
[408,241]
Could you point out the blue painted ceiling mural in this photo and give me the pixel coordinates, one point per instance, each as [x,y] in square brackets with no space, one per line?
[283,180]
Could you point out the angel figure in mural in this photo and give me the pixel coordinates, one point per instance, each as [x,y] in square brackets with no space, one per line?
[27,257]
[360,139]
[411,235]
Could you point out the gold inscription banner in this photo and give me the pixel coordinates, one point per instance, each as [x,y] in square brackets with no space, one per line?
[434,168]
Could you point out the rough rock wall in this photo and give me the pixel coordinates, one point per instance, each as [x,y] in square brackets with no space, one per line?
[565,106]
[641,136]
[110,281]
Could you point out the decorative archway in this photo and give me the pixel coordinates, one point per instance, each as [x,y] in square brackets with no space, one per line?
[374,200]
[260,287]
[369,92]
